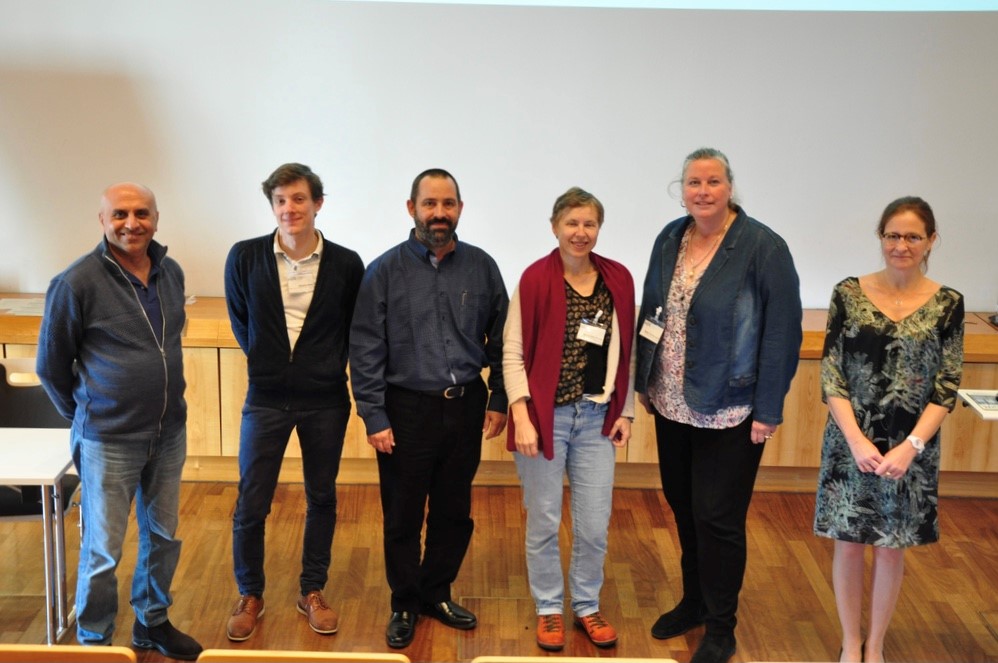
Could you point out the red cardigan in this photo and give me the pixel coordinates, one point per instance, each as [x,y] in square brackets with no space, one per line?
[543,310]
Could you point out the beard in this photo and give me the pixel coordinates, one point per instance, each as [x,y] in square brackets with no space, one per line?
[435,238]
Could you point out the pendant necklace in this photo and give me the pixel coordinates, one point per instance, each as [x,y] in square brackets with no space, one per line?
[691,266]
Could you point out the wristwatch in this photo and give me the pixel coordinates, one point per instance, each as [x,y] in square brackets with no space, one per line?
[918,443]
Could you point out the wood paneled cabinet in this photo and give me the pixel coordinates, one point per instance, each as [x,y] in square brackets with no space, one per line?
[215,368]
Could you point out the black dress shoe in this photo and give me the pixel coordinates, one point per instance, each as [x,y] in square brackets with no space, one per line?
[714,649]
[677,621]
[166,639]
[401,629]
[451,614]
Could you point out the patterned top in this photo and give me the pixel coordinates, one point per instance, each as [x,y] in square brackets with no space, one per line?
[889,371]
[576,354]
[665,385]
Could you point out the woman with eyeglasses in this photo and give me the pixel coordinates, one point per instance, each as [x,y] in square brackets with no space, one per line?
[889,372]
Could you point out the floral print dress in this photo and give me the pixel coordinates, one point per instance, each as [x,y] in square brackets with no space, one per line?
[889,370]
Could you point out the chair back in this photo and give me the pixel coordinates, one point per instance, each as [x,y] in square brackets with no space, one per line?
[64,653]
[563,659]
[23,401]
[278,655]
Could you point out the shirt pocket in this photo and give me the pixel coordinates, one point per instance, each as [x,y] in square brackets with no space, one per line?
[473,313]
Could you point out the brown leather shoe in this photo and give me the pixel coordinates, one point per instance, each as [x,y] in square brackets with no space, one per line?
[321,618]
[598,629]
[550,632]
[242,623]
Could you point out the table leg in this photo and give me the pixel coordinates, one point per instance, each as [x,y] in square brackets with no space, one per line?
[48,546]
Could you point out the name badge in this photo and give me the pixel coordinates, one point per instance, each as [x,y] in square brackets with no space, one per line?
[653,328]
[591,331]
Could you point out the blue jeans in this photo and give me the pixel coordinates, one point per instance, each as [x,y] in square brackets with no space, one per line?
[581,450]
[263,438]
[112,474]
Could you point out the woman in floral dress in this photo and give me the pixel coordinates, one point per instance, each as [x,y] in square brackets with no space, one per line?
[889,373]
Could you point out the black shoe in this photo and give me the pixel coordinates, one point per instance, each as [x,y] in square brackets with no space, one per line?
[714,649]
[166,639]
[452,614]
[401,629]
[677,621]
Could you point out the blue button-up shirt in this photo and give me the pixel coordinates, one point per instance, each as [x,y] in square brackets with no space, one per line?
[425,327]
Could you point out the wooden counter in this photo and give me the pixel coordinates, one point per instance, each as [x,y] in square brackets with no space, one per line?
[215,369]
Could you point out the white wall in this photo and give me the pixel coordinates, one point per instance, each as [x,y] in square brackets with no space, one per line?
[826,117]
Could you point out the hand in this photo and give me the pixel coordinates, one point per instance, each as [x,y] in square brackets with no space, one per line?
[645,403]
[620,434]
[495,423]
[383,441]
[526,438]
[866,455]
[761,432]
[897,461]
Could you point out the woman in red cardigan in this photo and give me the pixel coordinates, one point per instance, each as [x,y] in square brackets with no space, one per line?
[567,367]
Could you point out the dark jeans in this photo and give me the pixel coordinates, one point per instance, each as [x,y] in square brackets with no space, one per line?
[438,445]
[707,477]
[263,438]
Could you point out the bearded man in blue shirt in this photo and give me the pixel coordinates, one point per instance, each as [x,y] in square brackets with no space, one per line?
[429,318]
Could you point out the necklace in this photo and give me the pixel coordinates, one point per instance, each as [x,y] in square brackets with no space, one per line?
[691,265]
[897,294]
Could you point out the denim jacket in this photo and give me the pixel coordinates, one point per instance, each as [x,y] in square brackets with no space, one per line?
[743,331]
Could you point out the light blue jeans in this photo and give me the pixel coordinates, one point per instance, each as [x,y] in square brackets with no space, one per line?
[111,475]
[581,450]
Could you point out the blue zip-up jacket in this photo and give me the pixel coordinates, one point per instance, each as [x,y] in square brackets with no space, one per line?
[314,376]
[98,357]
[743,331]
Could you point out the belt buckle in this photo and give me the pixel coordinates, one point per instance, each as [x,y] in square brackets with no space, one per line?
[454,391]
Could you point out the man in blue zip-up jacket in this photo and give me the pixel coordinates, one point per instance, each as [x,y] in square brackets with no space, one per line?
[290,295]
[109,357]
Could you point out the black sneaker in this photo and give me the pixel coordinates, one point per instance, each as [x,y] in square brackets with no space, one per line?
[677,621]
[166,639]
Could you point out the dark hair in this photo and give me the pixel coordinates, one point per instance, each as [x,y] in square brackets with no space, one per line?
[576,197]
[433,172]
[290,173]
[912,204]
[916,206]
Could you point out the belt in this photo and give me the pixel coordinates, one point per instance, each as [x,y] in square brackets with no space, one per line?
[450,393]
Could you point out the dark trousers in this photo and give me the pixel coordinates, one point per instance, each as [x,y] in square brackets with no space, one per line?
[263,438]
[707,477]
[438,445]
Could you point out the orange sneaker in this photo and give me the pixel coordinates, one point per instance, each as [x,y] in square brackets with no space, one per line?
[598,629]
[550,632]
[321,618]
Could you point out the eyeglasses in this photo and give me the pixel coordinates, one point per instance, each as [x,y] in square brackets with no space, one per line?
[911,239]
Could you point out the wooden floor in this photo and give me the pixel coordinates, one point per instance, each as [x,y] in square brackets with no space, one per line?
[948,609]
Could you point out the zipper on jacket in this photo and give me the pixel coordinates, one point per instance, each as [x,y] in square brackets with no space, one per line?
[159,344]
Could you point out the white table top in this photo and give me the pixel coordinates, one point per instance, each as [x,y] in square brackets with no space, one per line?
[33,456]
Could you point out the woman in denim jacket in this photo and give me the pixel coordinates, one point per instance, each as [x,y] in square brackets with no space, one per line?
[719,340]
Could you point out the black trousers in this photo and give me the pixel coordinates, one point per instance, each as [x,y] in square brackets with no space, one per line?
[708,476]
[438,446]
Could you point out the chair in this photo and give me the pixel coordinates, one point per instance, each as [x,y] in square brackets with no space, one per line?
[563,659]
[277,655]
[65,653]
[24,404]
